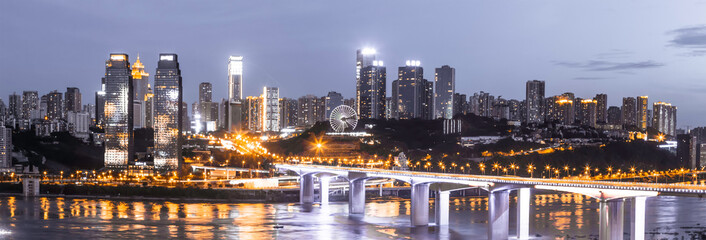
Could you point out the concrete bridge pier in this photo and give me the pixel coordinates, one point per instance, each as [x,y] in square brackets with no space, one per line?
[611,219]
[441,207]
[498,214]
[420,204]
[306,189]
[356,196]
[323,189]
[637,218]
[524,197]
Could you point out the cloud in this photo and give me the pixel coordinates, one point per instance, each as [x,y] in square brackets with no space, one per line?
[614,53]
[589,78]
[606,66]
[689,37]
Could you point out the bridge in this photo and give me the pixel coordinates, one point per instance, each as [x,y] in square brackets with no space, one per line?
[611,195]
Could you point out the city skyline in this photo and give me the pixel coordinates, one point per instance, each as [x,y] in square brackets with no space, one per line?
[662,67]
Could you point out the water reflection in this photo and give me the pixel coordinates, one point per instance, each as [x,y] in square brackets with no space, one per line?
[553,216]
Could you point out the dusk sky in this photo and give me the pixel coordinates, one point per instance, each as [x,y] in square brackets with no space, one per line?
[622,48]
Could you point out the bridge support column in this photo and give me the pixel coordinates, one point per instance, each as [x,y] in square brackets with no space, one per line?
[441,207]
[523,212]
[637,218]
[356,197]
[498,214]
[420,204]
[323,189]
[306,189]
[611,222]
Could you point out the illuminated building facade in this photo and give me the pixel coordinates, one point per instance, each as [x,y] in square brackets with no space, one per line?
[234,105]
[614,115]
[588,114]
[140,84]
[534,100]
[445,79]
[205,92]
[5,147]
[14,106]
[412,94]
[363,58]
[55,106]
[664,118]
[372,91]
[288,112]
[254,113]
[641,112]
[309,110]
[118,111]
[168,113]
[560,108]
[270,109]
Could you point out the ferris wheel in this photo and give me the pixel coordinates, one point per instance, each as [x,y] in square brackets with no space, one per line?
[343,117]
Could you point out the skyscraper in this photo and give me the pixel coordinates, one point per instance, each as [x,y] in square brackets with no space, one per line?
[140,83]
[460,103]
[333,100]
[445,78]
[72,100]
[629,111]
[664,118]
[363,58]
[5,147]
[235,93]
[270,98]
[168,113]
[601,108]
[14,106]
[30,104]
[371,91]
[118,111]
[254,111]
[641,112]
[55,106]
[534,97]
[288,112]
[205,92]
[235,77]
[306,115]
[410,92]
[588,112]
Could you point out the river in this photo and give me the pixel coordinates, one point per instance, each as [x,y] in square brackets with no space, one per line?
[553,216]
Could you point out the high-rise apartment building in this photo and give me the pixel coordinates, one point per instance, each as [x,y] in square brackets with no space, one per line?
[534,97]
[234,105]
[371,91]
[118,111]
[270,110]
[445,80]
[168,113]
[560,108]
[205,92]
[629,111]
[308,110]
[5,147]
[72,100]
[412,94]
[588,112]
[333,100]
[664,118]
[30,104]
[614,115]
[460,103]
[601,107]
[14,106]
[55,106]
[254,109]
[641,112]
[363,58]
[288,112]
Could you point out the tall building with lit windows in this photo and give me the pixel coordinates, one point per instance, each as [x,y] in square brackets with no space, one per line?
[629,110]
[331,101]
[445,79]
[168,113]
[601,107]
[72,100]
[270,109]
[140,84]
[253,115]
[30,104]
[588,114]
[534,100]
[664,118]
[412,94]
[641,112]
[118,111]
[205,92]
[363,58]
[5,147]
[372,91]
[235,94]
